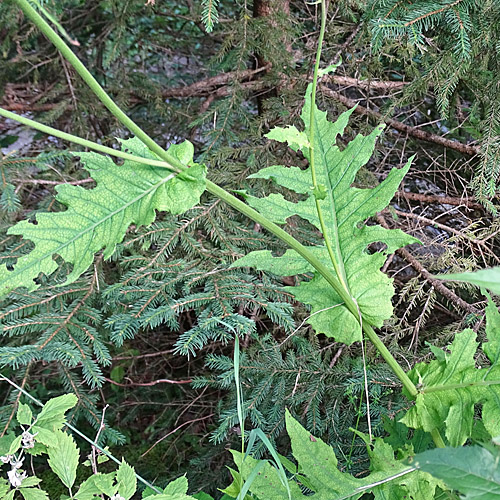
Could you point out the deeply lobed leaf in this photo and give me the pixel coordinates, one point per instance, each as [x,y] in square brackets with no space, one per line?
[97,219]
[451,385]
[345,208]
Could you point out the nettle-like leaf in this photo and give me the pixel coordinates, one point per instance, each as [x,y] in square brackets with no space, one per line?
[451,385]
[64,457]
[97,219]
[318,471]
[345,209]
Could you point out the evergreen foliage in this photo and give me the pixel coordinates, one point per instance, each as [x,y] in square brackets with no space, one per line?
[453,47]
[328,398]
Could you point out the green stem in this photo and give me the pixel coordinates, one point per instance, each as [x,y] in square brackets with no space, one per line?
[217,191]
[438,440]
[451,387]
[84,142]
[312,164]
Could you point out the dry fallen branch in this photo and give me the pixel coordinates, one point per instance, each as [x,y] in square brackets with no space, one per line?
[437,284]
[347,81]
[402,127]
[220,86]
[443,200]
[148,384]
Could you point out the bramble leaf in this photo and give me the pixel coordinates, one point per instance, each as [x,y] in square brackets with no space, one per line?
[96,484]
[345,208]
[97,219]
[4,487]
[451,385]
[33,494]
[175,490]
[52,415]
[24,415]
[127,482]
[64,457]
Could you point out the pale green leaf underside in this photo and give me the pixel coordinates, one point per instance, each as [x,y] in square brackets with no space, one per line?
[97,219]
[472,470]
[345,208]
[64,457]
[318,463]
[463,386]
[484,278]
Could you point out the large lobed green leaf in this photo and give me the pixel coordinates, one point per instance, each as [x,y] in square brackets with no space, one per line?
[451,385]
[97,219]
[345,209]
[317,469]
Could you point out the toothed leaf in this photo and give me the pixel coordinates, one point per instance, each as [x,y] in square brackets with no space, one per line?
[318,470]
[345,210]
[97,219]
[451,386]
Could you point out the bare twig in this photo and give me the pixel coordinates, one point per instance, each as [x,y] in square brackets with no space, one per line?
[149,384]
[444,227]
[148,355]
[402,127]
[175,430]
[437,284]
[444,200]
[102,426]
[364,84]
[208,85]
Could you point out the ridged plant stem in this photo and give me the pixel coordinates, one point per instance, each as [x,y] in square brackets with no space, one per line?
[312,163]
[85,143]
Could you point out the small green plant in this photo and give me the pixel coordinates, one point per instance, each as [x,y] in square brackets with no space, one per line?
[44,435]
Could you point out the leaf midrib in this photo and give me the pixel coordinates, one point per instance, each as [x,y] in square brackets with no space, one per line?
[79,235]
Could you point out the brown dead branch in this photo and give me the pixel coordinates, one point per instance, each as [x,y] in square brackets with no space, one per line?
[149,384]
[437,284]
[364,84]
[402,127]
[443,200]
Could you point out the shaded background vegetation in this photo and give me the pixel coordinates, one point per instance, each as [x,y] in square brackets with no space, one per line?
[150,332]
